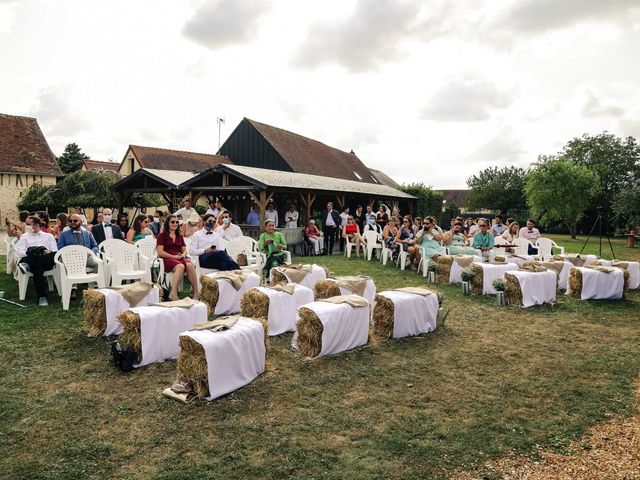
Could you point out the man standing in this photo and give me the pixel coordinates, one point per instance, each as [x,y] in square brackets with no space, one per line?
[332,222]
[359,217]
[106,230]
[499,227]
[228,230]
[36,250]
[185,211]
[271,214]
[344,216]
[291,217]
[204,245]
[254,217]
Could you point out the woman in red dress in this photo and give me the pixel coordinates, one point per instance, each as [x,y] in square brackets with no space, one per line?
[351,231]
[173,251]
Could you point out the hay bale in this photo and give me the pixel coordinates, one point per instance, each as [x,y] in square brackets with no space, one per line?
[130,338]
[444,268]
[477,281]
[512,291]
[255,305]
[94,313]
[210,292]
[383,314]
[575,283]
[627,278]
[326,289]
[309,329]
[278,277]
[192,366]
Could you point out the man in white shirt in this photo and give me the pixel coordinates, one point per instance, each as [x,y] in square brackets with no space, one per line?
[344,216]
[204,245]
[228,230]
[332,222]
[531,233]
[36,250]
[291,217]
[271,214]
[499,227]
[185,211]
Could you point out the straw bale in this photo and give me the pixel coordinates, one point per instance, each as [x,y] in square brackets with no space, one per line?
[478,279]
[627,278]
[383,317]
[309,329]
[513,291]
[444,268]
[210,292]
[130,338]
[326,289]
[575,283]
[95,313]
[278,277]
[254,304]
[192,366]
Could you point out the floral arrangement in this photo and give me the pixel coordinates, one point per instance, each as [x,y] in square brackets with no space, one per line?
[499,284]
[467,274]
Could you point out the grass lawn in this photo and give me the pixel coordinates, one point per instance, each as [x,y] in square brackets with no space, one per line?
[493,382]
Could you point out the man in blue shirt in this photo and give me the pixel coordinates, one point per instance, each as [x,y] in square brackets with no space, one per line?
[254,217]
[76,235]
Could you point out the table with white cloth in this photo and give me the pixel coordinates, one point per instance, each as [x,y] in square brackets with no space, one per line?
[235,357]
[283,307]
[413,314]
[491,271]
[455,272]
[316,274]
[598,285]
[228,297]
[537,288]
[115,303]
[160,328]
[343,327]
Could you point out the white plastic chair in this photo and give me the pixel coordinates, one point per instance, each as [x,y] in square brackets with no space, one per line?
[348,246]
[546,246]
[500,251]
[71,262]
[23,281]
[125,264]
[10,246]
[522,247]
[402,258]
[104,250]
[147,249]
[385,255]
[248,246]
[372,242]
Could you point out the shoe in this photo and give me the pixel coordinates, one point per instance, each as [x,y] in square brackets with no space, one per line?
[43,302]
[74,294]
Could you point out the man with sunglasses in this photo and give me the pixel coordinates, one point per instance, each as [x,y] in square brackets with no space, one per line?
[76,235]
[228,230]
[483,238]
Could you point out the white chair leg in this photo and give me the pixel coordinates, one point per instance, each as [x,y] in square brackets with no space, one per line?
[116,280]
[66,295]
[23,282]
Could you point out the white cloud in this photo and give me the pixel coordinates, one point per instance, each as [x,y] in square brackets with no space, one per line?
[594,106]
[56,114]
[466,100]
[503,149]
[226,22]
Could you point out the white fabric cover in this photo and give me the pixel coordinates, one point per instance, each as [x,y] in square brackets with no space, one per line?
[564,275]
[601,286]
[537,288]
[283,307]
[369,291]
[344,327]
[518,260]
[160,328]
[114,304]
[588,259]
[317,273]
[412,314]
[634,273]
[454,274]
[490,272]
[229,298]
[235,357]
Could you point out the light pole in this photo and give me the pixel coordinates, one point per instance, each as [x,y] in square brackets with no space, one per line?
[220,121]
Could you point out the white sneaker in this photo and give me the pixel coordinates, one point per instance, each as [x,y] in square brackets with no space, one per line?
[42,302]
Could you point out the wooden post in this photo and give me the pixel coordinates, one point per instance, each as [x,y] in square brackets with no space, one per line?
[341,201]
[262,202]
[194,196]
[307,200]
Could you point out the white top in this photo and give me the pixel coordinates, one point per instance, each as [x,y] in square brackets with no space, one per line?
[200,241]
[184,212]
[212,211]
[229,233]
[108,232]
[291,219]
[532,235]
[271,215]
[329,220]
[344,217]
[40,239]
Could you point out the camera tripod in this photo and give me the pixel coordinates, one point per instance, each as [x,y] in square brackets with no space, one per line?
[599,222]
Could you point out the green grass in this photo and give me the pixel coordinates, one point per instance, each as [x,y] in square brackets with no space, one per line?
[494,381]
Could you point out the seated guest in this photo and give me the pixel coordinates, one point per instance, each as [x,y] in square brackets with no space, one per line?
[106,230]
[272,244]
[389,237]
[60,226]
[205,244]
[382,217]
[173,252]
[15,229]
[406,239]
[314,235]
[429,240]
[97,219]
[417,222]
[123,223]
[511,233]
[36,250]
[139,229]
[531,233]
[228,230]
[372,225]
[351,233]
[499,227]
[76,235]
[483,240]
[191,225]
[44,216]
[456,241]
[157,223]
[253,218]
[472,227]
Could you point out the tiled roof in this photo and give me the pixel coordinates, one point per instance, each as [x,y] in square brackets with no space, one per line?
[165,159]
[23,148]
[100,165]
[457,197]
[305,155]
[384,179]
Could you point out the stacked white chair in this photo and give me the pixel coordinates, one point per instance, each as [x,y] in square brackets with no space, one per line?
[125,263]
[148,250]
[71,263]
[104,250]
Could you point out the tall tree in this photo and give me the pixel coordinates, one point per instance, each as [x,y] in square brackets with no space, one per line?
[626,206]
[428,203]
[496,188]
[558,189]
[71,160]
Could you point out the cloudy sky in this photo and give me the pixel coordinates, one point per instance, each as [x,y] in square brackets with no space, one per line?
[428,90]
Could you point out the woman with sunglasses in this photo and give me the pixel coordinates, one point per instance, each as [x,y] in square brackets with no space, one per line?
[406,239]
[139,229]
[351,233]
[429,239]
[173,251]
[389,237]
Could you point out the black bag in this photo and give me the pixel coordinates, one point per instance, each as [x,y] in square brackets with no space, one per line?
[35,251]
[123,359]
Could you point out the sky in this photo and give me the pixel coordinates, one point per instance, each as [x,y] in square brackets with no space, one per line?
[430,91]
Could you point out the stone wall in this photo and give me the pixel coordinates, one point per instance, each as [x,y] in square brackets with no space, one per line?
[11,187]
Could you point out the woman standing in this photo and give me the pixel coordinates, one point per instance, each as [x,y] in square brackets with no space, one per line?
[272,244]
[173,251]
[139,229]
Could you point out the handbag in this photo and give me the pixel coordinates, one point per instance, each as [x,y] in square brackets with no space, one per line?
[36,251]
[242,259]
